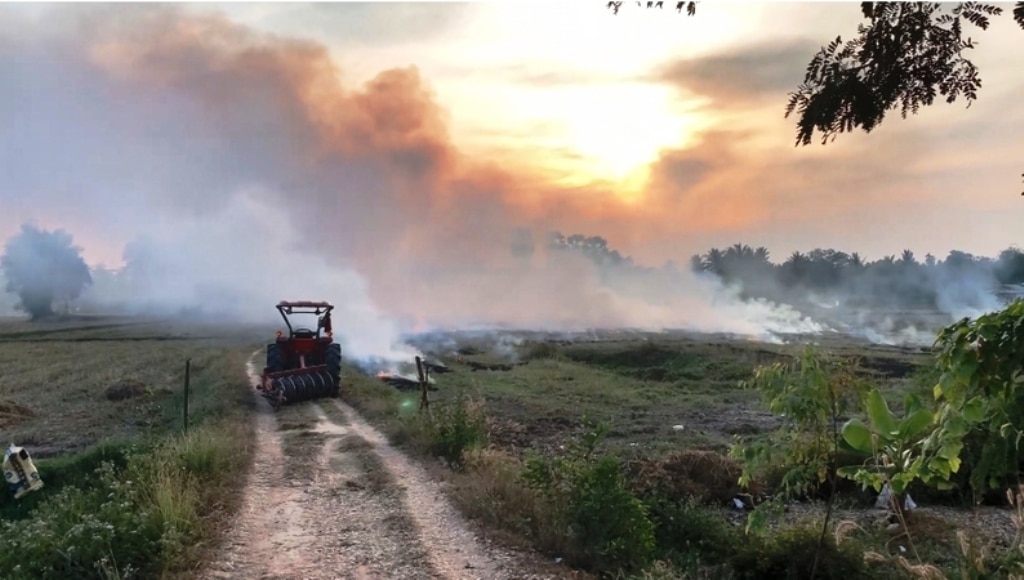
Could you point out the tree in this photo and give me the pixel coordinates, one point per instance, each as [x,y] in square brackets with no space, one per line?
[907,55]
[42,267]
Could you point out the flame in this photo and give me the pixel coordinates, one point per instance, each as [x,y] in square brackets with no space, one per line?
[383,375]
[419,323]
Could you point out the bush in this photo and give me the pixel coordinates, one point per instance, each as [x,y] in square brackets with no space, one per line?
[608,527]
[542,351]
[691,535]
[490,489]
[137,512]
[790,554]
[608,523]
[706,476]
[75,532]
[452,430]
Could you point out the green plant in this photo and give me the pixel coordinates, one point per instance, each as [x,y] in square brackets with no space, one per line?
[73,531]
[810,394]
[689,534]
[797,553]
[982,379]
[918,446]
[608,526]
[453,429]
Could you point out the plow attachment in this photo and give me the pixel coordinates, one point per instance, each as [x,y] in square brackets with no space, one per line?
[297,385]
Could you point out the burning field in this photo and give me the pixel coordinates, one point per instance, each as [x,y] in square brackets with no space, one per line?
[660,390]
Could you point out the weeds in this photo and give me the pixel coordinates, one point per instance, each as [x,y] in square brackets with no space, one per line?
[453,429]
[140,501]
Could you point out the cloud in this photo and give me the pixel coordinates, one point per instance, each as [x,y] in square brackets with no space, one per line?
[742,74]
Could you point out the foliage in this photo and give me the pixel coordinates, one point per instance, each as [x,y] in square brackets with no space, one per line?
[908,55]
[810,394]
[136,515]
[688,533]
[608,525]
[454,429]
[691,6]
[43,267]
[918,446]
[981,380]
[900,280]
[790,554]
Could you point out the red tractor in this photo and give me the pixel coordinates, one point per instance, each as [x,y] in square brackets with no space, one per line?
[305,364]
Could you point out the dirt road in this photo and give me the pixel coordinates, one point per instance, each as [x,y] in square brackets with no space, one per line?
[327,497]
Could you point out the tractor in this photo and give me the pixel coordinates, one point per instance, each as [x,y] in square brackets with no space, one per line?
[305,364]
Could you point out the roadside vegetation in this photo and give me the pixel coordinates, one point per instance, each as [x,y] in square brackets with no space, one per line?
[127,492]
[653,456]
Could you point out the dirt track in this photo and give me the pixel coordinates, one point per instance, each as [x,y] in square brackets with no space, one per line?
[327,497]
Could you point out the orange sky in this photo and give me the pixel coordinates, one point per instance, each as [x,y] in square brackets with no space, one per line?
[663,133]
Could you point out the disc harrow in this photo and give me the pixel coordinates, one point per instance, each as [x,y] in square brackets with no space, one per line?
[310,383]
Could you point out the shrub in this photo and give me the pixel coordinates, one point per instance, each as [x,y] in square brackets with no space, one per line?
[542,350]
[137,511]
[452,430]
[490,489]
[706,476]
[608,523]
[810,393]
[608,527]
[73,531]
[790,554]
[691,535]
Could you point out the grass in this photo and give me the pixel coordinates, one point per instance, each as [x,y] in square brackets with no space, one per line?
[126,491]
[674,406]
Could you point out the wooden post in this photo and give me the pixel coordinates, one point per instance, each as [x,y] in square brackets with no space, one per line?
[421,370]
[188,373]
[425,400]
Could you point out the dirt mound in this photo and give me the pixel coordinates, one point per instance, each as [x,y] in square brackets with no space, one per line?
[703,475]
[12,413]
[125,389]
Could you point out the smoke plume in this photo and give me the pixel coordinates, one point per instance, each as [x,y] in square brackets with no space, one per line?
[244,170]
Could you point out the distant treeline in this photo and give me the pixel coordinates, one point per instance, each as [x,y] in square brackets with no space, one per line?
[902,281]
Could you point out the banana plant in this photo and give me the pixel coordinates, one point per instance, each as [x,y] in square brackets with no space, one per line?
[921,445]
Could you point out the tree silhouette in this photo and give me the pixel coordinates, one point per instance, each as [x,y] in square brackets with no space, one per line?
[907,55]
[43,267]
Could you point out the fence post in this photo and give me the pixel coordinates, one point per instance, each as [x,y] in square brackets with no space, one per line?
[422,372]
[188,373]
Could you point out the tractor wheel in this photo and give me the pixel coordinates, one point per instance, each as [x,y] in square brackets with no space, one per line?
[274,362]
[334,367]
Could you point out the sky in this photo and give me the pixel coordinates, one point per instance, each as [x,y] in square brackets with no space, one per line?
[401,140]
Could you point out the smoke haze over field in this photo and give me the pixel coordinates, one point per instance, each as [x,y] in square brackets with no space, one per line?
[246,169]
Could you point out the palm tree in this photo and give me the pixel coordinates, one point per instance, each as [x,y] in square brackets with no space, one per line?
[761,254]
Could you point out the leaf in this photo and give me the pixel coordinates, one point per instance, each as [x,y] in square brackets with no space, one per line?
[913,426]
[858,436]
[849,471]
[881,417]
[974,410]
[911,404]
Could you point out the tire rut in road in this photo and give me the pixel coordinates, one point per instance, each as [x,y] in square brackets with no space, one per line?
[315,507]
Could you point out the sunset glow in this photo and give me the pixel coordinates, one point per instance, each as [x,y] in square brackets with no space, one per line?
[660,132]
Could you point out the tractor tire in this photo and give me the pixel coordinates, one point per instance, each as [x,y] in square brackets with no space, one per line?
[274,362]
[333,357]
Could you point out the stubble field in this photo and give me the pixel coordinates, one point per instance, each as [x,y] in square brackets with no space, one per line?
[673,404]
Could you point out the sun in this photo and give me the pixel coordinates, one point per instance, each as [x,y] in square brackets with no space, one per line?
[608,133]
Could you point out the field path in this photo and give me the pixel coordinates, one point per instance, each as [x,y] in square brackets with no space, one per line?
[327,497]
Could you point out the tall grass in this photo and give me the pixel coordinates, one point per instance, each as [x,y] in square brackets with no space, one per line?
[141,506]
